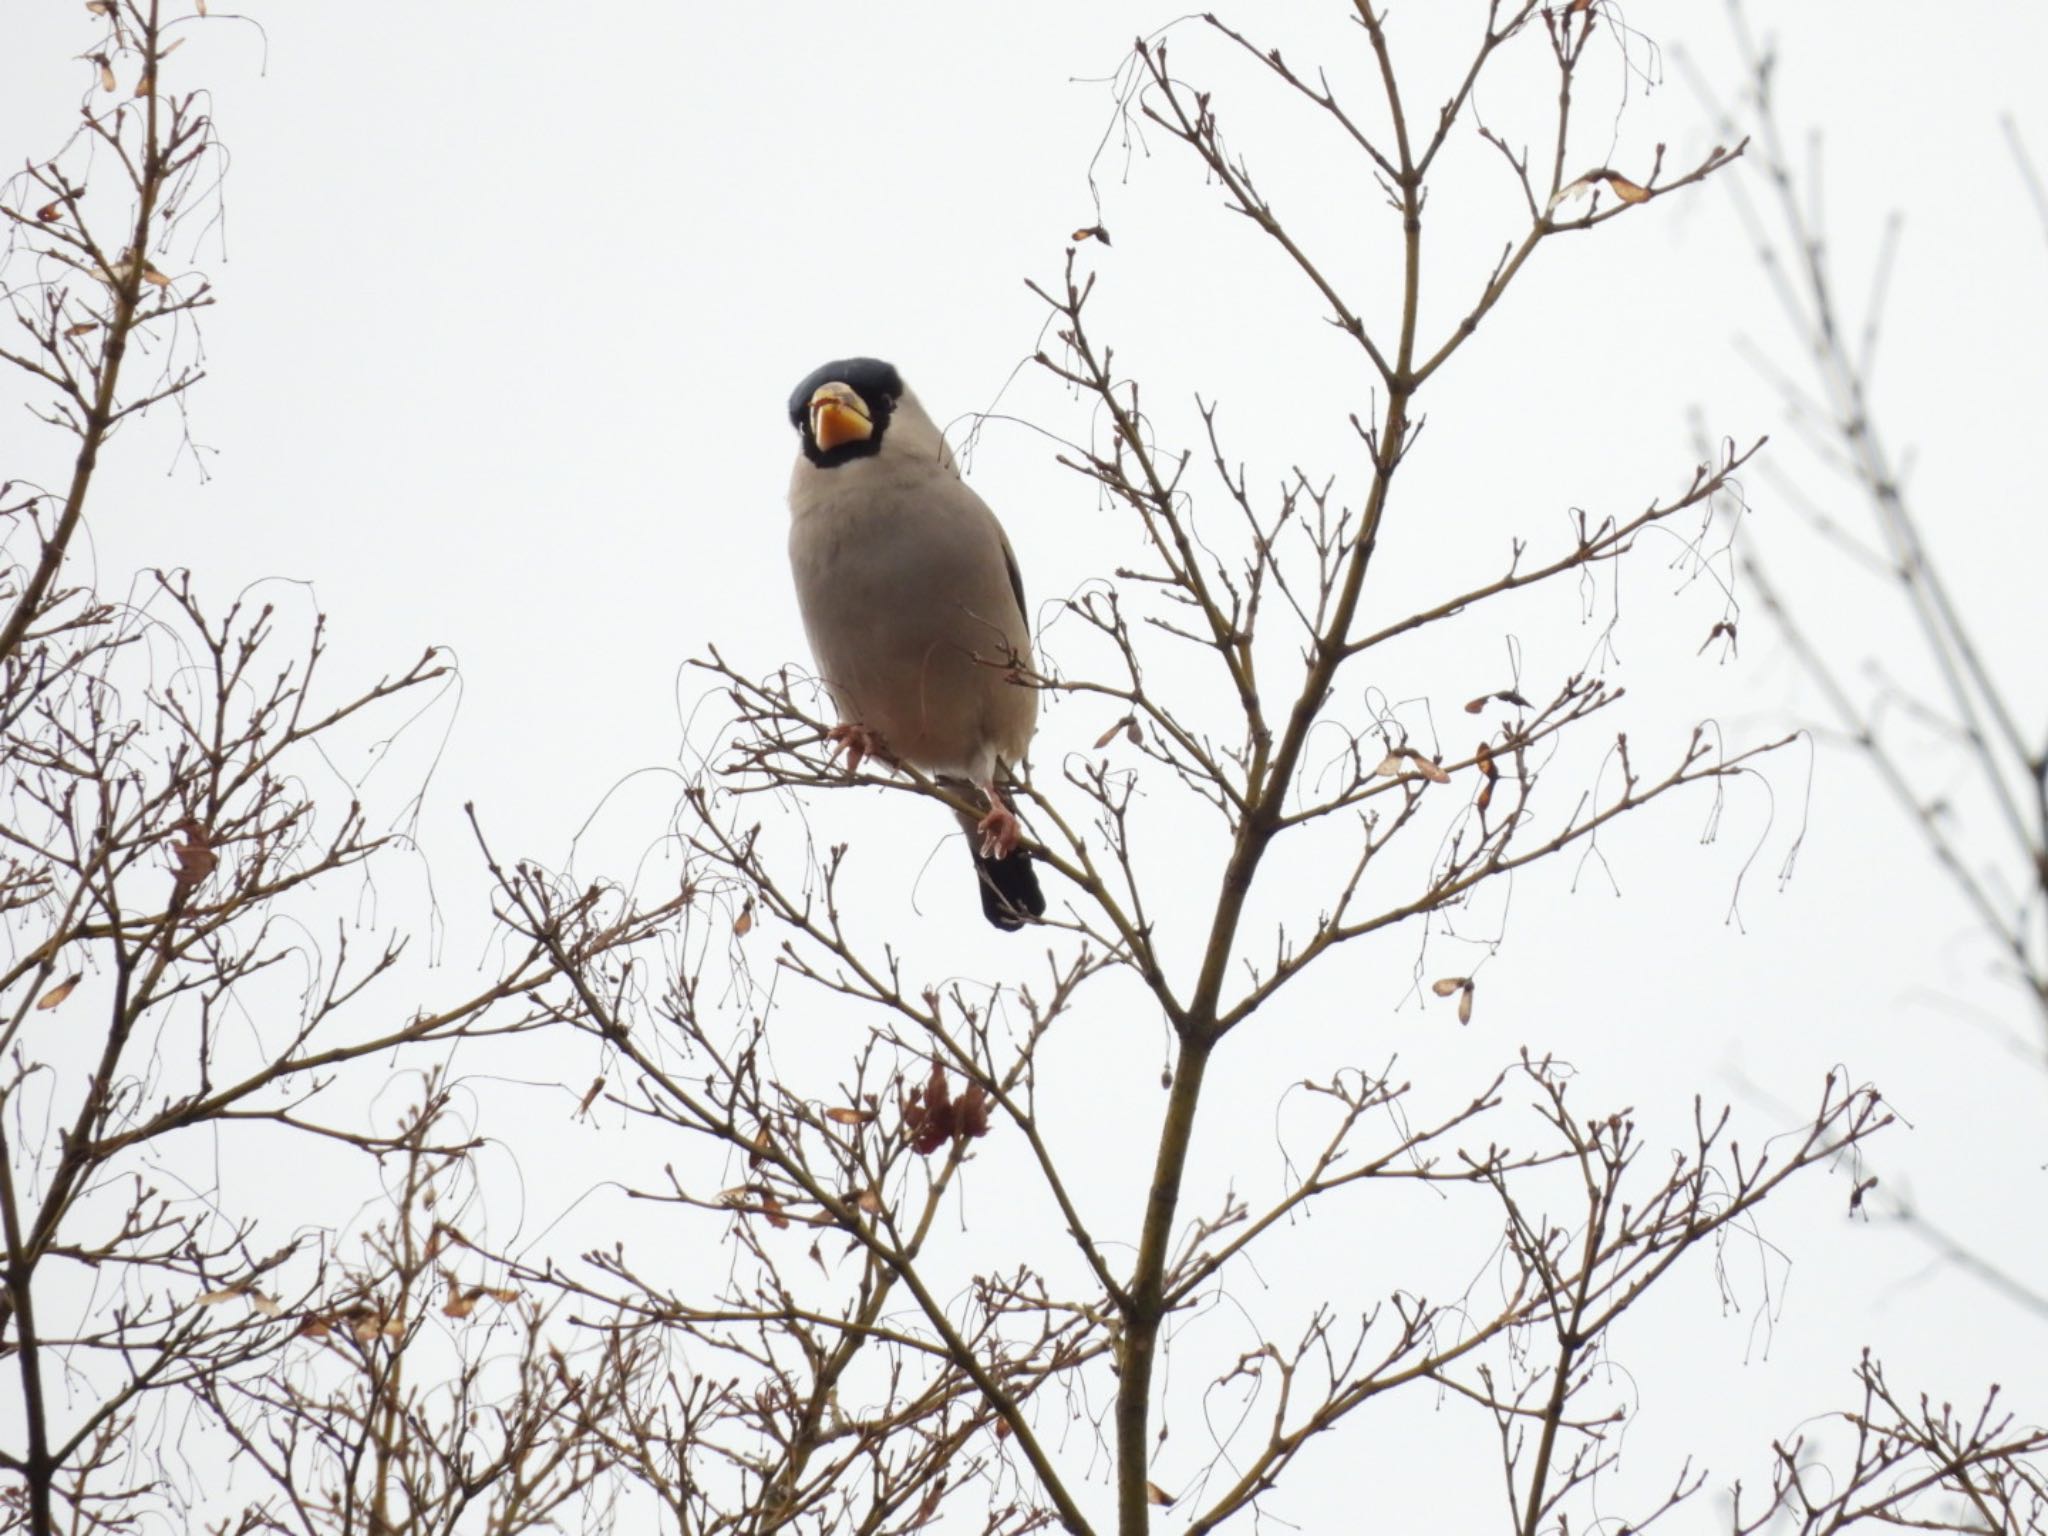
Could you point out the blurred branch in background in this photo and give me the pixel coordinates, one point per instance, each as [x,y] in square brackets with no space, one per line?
[1991,840]
[1941,721]
[1949,728]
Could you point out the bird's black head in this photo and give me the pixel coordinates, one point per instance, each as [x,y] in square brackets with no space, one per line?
[841,410]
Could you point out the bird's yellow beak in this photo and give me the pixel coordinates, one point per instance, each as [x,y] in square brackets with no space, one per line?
[837,416]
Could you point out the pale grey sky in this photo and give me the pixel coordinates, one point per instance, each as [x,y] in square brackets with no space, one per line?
[511,298]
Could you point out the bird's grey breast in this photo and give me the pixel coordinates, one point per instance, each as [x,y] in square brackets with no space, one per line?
[906,595]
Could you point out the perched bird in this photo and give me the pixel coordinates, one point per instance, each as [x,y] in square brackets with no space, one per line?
[913,605]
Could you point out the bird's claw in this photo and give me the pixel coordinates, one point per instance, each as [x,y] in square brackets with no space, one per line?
[860,743]
[999,832]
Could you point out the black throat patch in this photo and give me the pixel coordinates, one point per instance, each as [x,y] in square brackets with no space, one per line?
[879,386]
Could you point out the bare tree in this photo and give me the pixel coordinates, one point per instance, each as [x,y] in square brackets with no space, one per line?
[435,1401]
[861,1371]
[1912,1463]
[173,835]
[883,1348]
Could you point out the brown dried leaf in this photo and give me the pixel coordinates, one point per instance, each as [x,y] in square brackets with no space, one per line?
[1448,985]
[1111,734]
[81,328]
[1509,696]
[928,1114]
[589,1097]
[1158,1495]
[1627,190]
[1390,766]
[1092,232]
[840,1115]
[744,923]
[107,81]
[194,857]
[99,7]
[870,1202]
[505,1293]
[145,85]
[200,5]
[1465,1005]
[1474,706]
[313,1327]
[59,992]
[49,212]
[755,1200]
[1002,1429]
[971,1118]
[215,1298]
[1429,770]
[153,277]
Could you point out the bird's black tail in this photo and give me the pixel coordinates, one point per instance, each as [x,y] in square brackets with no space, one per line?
[1009,890]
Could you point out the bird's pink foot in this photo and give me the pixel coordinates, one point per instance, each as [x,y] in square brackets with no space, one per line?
[860,743]
[999,830]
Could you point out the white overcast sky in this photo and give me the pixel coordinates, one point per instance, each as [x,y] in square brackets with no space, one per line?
[511,297]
